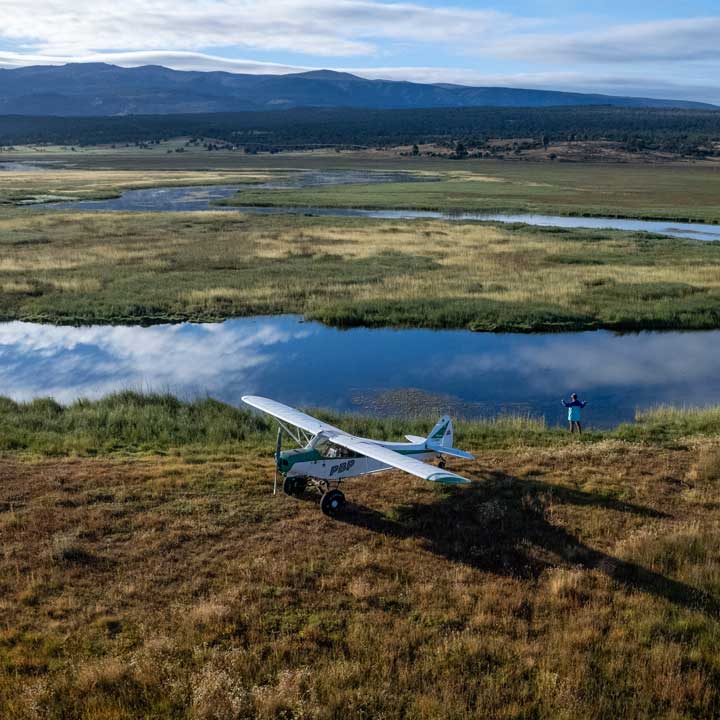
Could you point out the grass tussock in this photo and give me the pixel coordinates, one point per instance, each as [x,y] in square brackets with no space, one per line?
[125,421]
[570,580]
[119,268]
[668,422]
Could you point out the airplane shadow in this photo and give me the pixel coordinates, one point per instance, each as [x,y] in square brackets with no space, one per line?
[502,526]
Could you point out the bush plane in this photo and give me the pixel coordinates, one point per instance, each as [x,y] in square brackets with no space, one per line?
[326,456]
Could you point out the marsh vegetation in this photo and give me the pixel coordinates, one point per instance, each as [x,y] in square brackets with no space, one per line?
[145,268]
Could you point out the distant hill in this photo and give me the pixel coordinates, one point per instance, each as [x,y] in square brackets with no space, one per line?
[98,89]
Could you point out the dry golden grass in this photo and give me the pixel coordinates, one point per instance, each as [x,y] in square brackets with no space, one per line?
[573,582]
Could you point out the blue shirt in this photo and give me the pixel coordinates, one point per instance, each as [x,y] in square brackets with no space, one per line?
[574,407]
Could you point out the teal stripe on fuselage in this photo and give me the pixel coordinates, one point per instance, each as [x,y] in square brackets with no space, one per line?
[288,458]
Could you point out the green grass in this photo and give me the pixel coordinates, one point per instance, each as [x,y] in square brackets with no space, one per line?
[164,267]
[670,192]
[130,422]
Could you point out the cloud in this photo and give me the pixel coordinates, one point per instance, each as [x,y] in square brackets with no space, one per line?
[176,59]
[686,40]
[311,27]
[344,28]
[603,82]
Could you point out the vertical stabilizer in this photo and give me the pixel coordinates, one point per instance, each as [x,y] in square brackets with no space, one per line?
[442,433]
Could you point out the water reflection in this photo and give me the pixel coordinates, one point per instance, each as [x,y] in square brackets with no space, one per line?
[308,364]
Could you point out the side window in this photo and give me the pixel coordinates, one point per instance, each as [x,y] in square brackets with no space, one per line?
[327,449]
[331,451]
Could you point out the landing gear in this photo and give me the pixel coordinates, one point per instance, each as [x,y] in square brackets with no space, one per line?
[294,486]
[332,502]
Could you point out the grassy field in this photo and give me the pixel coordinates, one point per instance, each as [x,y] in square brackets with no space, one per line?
[117,268]
[677,192]
[147,571]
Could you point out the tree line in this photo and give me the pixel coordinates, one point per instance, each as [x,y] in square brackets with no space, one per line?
[687,132]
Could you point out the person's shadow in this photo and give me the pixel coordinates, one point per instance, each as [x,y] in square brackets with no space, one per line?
[501,525]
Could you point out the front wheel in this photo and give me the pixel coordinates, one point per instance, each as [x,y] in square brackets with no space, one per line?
[332,502]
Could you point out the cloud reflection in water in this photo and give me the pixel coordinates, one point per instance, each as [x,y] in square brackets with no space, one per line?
[309,364]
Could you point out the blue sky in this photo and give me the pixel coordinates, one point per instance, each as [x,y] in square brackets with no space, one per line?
[662,49]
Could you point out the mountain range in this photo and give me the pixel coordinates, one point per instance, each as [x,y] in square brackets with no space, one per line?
[99,89]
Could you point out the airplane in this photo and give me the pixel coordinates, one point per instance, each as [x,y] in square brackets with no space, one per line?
[326,456]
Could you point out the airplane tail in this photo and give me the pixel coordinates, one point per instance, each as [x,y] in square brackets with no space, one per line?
[442,433]
[441,439]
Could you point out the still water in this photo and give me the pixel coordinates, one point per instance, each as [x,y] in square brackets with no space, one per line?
[201,197]
[379,371]
[175,199]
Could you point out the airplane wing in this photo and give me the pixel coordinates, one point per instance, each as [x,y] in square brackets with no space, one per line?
[396,459]
[289,415]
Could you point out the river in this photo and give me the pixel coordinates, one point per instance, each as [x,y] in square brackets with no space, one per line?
[378,371]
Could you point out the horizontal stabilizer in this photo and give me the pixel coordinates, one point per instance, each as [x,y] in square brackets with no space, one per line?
[438,448]
[415,439]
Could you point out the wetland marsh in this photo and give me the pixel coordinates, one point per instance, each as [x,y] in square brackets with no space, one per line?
[80,268]
[147,568]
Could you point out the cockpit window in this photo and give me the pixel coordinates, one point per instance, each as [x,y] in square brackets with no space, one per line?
[328,449]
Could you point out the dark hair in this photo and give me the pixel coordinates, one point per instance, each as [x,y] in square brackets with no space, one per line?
[574,395]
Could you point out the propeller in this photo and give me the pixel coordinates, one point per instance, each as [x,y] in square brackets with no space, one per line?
[278,448]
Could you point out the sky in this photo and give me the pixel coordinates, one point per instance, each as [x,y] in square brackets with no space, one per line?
[652,48]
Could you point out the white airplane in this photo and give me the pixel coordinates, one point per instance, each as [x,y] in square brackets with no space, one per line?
[326,455]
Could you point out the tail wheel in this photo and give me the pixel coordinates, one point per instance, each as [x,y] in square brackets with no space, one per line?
[294,486]
[442,463]
[332,502]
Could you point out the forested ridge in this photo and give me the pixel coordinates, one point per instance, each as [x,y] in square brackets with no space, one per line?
[693,132]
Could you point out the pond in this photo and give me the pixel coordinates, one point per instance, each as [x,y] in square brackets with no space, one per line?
[11,166]
[385,371]
[176,199]
[201,197]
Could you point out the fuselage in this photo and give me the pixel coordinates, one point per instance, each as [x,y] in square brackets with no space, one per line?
[332,462]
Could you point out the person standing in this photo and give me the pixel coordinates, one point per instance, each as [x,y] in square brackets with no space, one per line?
[574,407]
